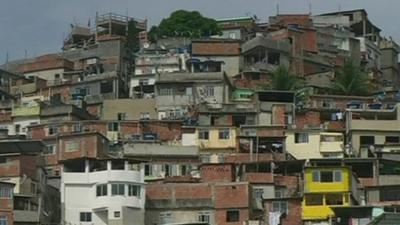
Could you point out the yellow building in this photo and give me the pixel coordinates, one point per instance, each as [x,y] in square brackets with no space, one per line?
[216,138]
[314,144]
[326,187]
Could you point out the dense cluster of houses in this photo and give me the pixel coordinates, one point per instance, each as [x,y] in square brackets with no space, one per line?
[186,132]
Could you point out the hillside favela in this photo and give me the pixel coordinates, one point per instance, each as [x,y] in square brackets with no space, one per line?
[281,119]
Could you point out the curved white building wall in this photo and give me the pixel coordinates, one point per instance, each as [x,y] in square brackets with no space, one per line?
[79,195]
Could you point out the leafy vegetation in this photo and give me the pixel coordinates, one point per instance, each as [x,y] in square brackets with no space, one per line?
[283,80]
[183,23]
[350,80]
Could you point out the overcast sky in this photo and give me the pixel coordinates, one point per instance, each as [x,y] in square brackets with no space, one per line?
[38,26]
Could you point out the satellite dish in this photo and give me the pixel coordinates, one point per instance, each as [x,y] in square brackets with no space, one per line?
[146,45]
[162,47]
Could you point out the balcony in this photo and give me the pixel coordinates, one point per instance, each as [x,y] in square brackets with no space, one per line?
[26,216]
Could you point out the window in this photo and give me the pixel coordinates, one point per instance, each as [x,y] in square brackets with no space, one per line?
[314,199]
[223,134]
[279,192]
[134,190]
[106,87]
[189,91]
[118,189]
[77,127]
[121,116]
[3,220]
[204,217]
[167,169]
[273,58]
[258,193]
[334,199]
[280,206]
[117,214]
[49,150]
[101,190]
[53,130]
[367,140]
[148,170]
[86,217]
[301,138]
[17,128]
[209,91]
[6,192]
[165,91]
[392,139]
[165,217]
[3,160]
[203,134]
[114,126]
[327,176]
[232,216]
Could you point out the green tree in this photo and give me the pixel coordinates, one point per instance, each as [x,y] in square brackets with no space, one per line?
[283,80]
[350,80]
[132,38]
[182,23]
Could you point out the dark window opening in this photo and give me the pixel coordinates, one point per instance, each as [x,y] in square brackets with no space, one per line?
[273,58]
[334,199]
[326,176]
[106,87]
[238,120]
[118,165]
[367,140]
[392,139]
[316,199]
[232,216]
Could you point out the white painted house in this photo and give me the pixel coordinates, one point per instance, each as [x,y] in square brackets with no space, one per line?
[102,192]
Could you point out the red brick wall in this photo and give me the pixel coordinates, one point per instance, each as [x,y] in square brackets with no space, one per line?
[259,178]
[158,191]
[311,118]
[216,48]
[231,196]
[193,191]
[8,214]
[278,114]
[220,217]
[245,157]
[294,214]
[29,165]
[217,173]
[87,146]
[5,116]
[11,168]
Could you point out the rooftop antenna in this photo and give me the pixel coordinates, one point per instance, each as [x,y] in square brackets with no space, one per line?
[309,8]
[26,53]
[7,56]
[277,9]
[339,8]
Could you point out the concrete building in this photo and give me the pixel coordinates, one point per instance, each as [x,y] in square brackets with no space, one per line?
[7,203]
[164,160]
[34,202]
[371,124]
[325,187]
[220,50]
[237,28]
[389,63]
[178,94]
[129,109]
[308,144]
[102,192]
[213,203]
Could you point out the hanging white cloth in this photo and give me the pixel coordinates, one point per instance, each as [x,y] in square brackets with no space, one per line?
[274,218]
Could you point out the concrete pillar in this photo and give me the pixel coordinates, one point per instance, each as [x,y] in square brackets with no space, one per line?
[126,165]
[86,166]
[109,165]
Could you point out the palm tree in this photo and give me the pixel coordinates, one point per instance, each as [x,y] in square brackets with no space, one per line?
[283,80]
[350,80]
